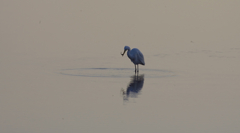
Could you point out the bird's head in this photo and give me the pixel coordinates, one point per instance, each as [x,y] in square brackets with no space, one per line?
[125,49]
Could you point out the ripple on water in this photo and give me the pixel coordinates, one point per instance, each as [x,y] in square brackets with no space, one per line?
[115,72]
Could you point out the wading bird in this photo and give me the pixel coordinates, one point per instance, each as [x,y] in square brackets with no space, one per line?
[135,56]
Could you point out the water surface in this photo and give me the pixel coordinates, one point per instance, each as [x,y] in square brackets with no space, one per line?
[61,68]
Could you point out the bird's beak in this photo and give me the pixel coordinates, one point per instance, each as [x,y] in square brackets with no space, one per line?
[123,52]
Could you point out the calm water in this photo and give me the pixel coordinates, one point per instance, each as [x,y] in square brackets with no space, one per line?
[61,68]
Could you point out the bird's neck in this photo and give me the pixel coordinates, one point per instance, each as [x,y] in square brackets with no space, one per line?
[129,54]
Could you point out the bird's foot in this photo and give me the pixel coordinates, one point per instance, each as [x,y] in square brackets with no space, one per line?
[136,71]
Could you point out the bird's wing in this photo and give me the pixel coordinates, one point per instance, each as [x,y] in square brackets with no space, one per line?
[141,58]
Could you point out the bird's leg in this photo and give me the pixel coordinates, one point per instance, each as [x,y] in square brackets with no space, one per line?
[137,69]
[136,76]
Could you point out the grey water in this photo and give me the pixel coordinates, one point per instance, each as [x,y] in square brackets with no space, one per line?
[61,69]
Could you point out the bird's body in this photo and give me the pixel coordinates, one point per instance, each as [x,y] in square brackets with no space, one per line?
[135,56]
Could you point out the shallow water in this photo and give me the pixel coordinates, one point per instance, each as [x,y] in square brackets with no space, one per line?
[115,72]
[61,68]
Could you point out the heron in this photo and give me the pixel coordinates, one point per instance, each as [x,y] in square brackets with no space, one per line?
[135,56]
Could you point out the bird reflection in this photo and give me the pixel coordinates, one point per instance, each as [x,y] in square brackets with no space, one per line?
[134,87]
